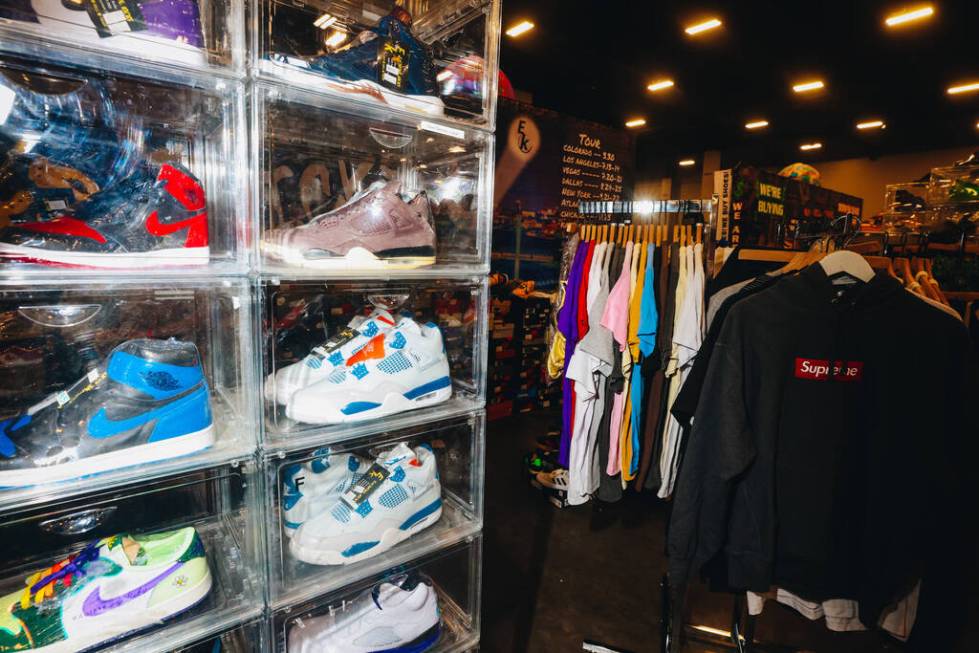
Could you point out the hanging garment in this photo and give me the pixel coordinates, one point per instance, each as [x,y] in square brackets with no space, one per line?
[616,320]
[609,488]
[568,325]
[645,345]
[652,371]
[634,382]
[556,343]
[805,401]
[673,379]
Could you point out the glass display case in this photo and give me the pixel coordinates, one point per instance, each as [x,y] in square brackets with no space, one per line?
[436,58]
[344,511]
[248,638]
[105,381]
[431,604]
[103,171]
[345,192]
[955,184]
[344,358]
[201,34]
[147,566]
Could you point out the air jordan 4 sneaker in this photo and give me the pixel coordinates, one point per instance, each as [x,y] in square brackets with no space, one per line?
[311,488]
[324,359]
[403,369]
[148,402]
[113,587]
[156,216]
[375,229]
[400,615]
[374,515]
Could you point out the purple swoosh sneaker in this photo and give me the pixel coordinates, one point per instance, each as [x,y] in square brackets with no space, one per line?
[111,588]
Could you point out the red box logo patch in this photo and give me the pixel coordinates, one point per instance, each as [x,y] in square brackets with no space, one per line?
[816,369]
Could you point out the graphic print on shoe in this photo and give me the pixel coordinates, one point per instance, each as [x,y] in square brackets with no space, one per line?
[406,501]
[110,588]
[149,402]
[380,379]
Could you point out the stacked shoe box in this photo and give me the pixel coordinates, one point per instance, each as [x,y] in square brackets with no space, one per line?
[502,355]
[533,353]
[129,482]
[186,217]
[372,147]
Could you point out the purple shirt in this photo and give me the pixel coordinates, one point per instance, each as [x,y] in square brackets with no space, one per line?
[567,324]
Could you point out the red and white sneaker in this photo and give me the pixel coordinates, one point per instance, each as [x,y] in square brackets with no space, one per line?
[156,217]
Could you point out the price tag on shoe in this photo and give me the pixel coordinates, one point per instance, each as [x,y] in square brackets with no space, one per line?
[357,493]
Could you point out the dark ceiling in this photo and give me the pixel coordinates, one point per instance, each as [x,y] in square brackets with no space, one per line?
[593,59]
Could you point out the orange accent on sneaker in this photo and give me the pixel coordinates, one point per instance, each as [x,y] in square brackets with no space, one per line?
[373,349]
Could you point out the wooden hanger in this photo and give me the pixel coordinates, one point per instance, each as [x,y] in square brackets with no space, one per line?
[700,233]
[773,255]
[883,263]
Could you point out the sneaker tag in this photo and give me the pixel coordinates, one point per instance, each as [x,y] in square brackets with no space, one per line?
[62,398]
[357,493]
[93,375]
[115,16]
[393,66]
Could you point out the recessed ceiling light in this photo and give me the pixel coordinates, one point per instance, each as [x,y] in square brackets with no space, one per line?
[805,87]
[705,26]
[805,147]
[963,88]
[325,21]
[756,124]
[457,149]
[522,27]
[336,39]
[635,122]
[659,85]
[686,162]
[909,15]
[872,124]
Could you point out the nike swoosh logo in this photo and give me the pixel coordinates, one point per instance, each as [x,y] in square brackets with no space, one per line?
[95,605]
[157,228]
[100,426]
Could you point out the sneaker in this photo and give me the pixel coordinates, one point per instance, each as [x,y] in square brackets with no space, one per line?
[324,359]
[156,216]
[556,479]
[375,229]
[109,589]
[408,500]
[149,402]
[398,615]
[312,487]
[403,369]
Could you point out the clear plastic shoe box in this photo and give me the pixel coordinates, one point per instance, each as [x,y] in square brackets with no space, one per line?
[116,173]
[435,328]
[431,497]
[440,594]
[252,637]
[347,190]
[147,525]
[71,356]
[434,58]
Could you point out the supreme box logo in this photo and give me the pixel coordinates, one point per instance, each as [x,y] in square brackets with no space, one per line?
[823,370]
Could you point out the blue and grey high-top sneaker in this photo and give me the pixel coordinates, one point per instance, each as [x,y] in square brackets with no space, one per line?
[150,401]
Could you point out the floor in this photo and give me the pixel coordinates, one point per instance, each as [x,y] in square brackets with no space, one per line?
[554,578]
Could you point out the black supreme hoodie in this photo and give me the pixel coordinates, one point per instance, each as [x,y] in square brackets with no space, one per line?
[826,447]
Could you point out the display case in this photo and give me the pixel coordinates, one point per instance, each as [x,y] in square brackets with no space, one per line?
[149,566]
[105,381]
[345,191]
[431,604]
[116,34]
[955,184]
[103,171]
[252,637]
[345,358]
[341,512]
[436,58]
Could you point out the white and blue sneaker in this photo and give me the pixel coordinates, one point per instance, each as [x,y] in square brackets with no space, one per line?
[323,359]
[396,616]
[406,501]
[311,488]
[400,370]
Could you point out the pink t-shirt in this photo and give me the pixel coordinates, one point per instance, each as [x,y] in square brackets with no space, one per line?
[615,318]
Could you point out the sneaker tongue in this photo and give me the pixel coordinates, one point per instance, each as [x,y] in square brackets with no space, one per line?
[396,454]
[382,315]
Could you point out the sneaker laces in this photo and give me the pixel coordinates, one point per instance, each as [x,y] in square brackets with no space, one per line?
[43,584]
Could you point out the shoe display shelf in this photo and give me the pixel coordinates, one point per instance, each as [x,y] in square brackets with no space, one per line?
[251,637]
[436,59]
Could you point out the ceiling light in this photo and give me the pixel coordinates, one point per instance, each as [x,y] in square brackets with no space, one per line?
[909,15]
[805,147]
[457,149]
[336,39]
[805,87]
[659,85]
[756,124]
[963,88]
[325,21]
[710,24]
[635,122]
[686,162]
[872,124]
[422,166]
[522,27]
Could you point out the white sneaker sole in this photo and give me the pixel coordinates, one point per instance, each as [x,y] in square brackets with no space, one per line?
[109,632]
[327,413]
[356,258]
[161,257]
[389,538]
[181,445]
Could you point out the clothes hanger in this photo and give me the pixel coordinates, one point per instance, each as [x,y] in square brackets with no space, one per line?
[700,233]
[844,263]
